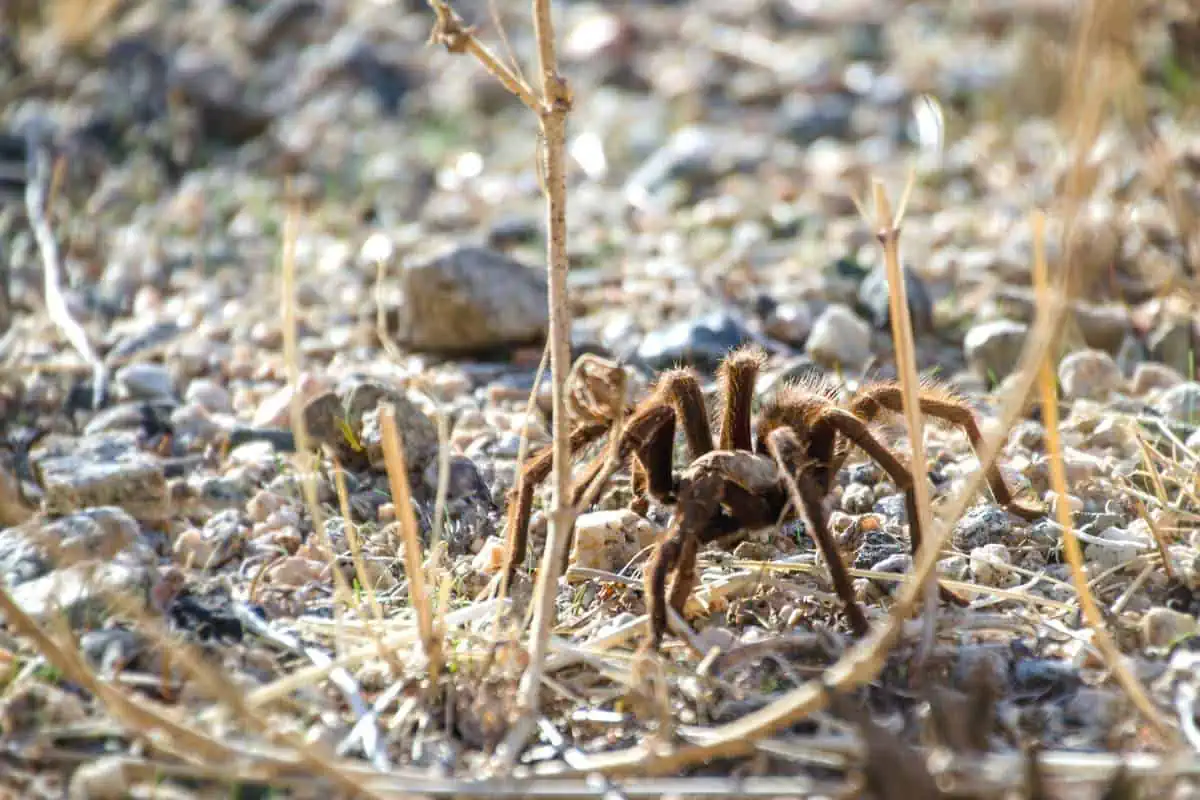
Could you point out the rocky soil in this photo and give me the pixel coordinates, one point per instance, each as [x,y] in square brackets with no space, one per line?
[228,173]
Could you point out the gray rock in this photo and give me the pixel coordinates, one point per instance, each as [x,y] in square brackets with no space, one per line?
[112,649]
[858,498]
[993,348]
[465,482]
[416,430]
[1148,376]
[133,343]
[130,416]
[839,338]
[1181,403]
[105,470]
[700,341]
[897,564]
[21,559]
[470,300]
[893,506]
[85,592]
[1103,327]
[278,21]
[686,156]
[1173,344]
[209,395]
[1089,374]
[790,322]
[145,382]
[805,118]
[981,525]
[874,300]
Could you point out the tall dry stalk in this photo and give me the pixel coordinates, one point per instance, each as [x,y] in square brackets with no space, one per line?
[551,109]
[910,385]
[1058,480]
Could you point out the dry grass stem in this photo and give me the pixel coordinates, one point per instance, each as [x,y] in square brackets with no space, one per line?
[551,108]
[1058,480]
[888,234]
[397,469]
[37,210]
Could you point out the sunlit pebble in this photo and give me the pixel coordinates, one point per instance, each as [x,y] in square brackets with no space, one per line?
[588,150]
[490,557]
[147,300]
[376,248]
[334,257]
[859,77]
[498,420]
[469,165]
[295,571]
[192,548]
[286,538]
[592,35]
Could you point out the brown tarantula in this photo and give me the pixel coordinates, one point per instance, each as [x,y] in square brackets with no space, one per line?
[757,472]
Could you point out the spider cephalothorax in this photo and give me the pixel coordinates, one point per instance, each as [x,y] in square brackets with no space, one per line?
[756,473]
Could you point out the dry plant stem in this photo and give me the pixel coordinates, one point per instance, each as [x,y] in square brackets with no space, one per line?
[458,38]
[397,469]
[56,305]
[360,568]
[1058,479]
[304,459]
[551,110]
[552,117]
[906,367]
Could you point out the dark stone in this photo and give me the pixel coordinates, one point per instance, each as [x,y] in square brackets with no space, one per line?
[893,507]
[700,341]
[874,299]
[804,118]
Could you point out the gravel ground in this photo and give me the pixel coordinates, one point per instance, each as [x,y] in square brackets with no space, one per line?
[213,170]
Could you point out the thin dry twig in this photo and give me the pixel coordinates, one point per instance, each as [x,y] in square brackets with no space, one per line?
[888,234]
[397,469]
[36,189]
[551,108]
[1058,479]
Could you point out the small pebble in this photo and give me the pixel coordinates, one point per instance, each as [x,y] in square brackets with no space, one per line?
[1161,626]
[294,572]
[858,498]
[1091,374]
[263,504]
[1181,403]
[980,526]
[1148,376]
[1119,546]
[1074,504]
[145,381]
[993,348]
[490,558]
[986,565]
[839,338]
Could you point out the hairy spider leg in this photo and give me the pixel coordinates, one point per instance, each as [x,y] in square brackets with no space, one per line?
[710,507]
[789,453]
[738,374]
[699,503]
[639,428]
[859,433]
[940,403]
[679,390]
[520,501]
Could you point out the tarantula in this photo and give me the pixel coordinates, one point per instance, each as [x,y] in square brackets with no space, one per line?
[758,472]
